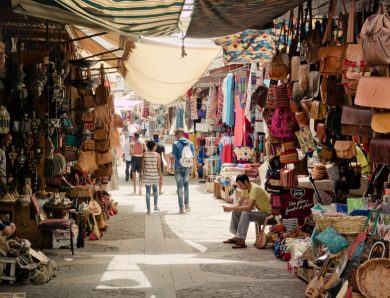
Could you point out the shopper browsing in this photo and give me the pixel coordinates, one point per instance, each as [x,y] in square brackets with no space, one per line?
[151,173]
[137,150]
[127,159]
[161,151]
[252,195]
[183,154]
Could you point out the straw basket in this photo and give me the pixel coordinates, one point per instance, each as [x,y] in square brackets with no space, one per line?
[345,225]
[373,278]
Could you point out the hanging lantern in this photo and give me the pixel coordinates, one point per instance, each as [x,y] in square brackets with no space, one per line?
[4,120]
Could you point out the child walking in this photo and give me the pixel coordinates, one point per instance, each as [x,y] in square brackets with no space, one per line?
[152,174]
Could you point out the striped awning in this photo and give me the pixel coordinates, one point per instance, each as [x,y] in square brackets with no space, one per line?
[127,17]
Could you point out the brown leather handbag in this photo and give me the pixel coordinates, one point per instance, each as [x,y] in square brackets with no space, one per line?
[102,116]
[88,145]
[71,153]
[373,92]
[331,60]
[118,121]
[104,170]
[380,151]
[88,117]
[345,149]
[102,92]
[356,121]
[335,92]
[318,110]
[375,36]
[381,122]
[104,158]
[331,57]
[312,40]
[321,131]
[102,146]
[87,161]
[100,134]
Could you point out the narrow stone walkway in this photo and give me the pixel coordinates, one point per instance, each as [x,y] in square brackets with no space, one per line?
[166,254]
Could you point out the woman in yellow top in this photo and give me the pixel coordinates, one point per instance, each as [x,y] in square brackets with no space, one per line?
[252,195]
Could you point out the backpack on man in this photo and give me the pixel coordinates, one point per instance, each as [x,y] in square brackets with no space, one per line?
[187,157]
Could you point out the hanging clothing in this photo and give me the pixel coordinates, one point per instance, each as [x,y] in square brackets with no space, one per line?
[179,117]
[240,99]
[219,112]
[259,120]
[226,149]
[230,100]
[213,104]
[194,106]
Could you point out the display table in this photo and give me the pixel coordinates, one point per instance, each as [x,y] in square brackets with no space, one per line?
[327,185]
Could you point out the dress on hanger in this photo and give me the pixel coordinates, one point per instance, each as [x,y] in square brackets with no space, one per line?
[239,98]
[226,148]
[230,100]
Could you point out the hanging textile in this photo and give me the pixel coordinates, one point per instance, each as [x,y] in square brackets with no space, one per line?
[229,100]
[188,110]
[145,110]
[179,116]
[240,99]
[139,17]
[219,18]
[213,104]
[259,120]
[208,104]
[218,117]
[226,149]
[194,104]
[247,46]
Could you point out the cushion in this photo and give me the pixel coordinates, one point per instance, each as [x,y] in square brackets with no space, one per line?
[332,240]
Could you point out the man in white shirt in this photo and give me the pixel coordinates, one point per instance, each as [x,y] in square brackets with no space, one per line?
[127,159]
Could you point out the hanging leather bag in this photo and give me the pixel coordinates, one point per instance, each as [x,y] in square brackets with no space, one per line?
[100,134]
[87,161]
[102,146]
[356,121]
[373,92]
[280,95]
[117,121]
[312,41]
[375,36]
[102,92]
[104,170]
[71,153]
[335,92]
[318,110]
[280,64]
[331,57]
[104,158]
[345,149]
[88,145]
[380,151]
[380,122]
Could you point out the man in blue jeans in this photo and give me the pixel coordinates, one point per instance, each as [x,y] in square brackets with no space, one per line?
[181,173]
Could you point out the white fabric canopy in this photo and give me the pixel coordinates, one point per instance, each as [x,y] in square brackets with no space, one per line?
[158,72]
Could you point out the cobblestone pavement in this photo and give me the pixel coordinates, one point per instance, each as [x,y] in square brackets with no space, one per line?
[166,255]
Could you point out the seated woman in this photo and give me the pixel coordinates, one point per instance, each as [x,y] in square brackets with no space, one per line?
[7,228]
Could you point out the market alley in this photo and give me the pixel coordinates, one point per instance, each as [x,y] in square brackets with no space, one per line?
[166,255]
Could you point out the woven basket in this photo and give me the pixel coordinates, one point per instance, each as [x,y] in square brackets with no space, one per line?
[373,278]
[344,225]
[77,192]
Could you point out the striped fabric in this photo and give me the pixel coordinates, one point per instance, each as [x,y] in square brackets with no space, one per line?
[140,17]
[219,103]
[151,175]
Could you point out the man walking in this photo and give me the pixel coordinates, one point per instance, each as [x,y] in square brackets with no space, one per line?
[252,195]
[137,150]
[183,153]
[127,159]
[160,150]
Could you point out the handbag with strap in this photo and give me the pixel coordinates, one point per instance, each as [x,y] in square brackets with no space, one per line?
[331,57]
[104,158]
[380,151]
[102,146]
[373,92]
[102,92]
[318,110]
[345,149]
[88,145]
[283,123]
[335,91]
[118,121]
[302,118]
[71,153]
[375,36]
[381,122]
[306,140]
[88,117]
[87,161]
[356,121]
[312,41]
[280,65]
[100,134]
[104,170]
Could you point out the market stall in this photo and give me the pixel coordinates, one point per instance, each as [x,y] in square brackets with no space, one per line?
[58,137]
[316,114]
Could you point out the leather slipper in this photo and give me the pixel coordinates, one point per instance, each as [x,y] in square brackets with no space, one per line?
[239,246]
[230,241]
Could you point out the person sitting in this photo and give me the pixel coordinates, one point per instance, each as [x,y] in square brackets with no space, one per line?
[252,195]
[7,228]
